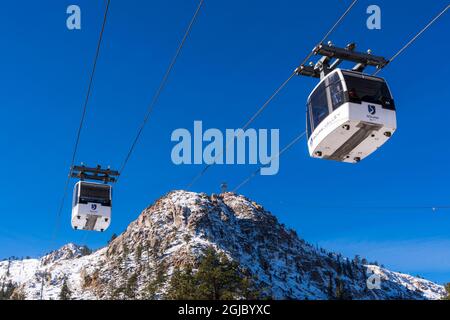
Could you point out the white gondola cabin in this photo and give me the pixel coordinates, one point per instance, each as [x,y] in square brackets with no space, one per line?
[349,116]
[91,209]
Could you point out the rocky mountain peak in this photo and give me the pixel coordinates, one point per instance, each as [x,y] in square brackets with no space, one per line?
[176,230]
[66,252]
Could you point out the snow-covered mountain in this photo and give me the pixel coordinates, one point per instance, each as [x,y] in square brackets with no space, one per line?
[176,230]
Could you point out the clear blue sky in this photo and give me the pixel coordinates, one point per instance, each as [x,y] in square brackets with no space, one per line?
[238,53]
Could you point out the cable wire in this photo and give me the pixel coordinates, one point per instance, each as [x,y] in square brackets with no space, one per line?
[433,208]
[338,22]
[277,91]
[161,87]
[410,42]
[286,148]
[83,116]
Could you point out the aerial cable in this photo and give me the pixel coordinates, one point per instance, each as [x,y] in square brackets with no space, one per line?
[433,208]
[338,22]
[286,148]
[161,87]
[86,102]
[277,91]
[410,42]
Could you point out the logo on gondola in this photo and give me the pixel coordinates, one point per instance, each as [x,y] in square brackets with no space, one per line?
[372,109]
[93,207]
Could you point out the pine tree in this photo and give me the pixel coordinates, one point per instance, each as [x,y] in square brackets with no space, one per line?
[339,295]
[7,269]
[125,250]
[349,269]
[65,291]
[155,284]
[217,278]
[85,251]
[447,288]
[341,292]
[339,268]
[6,291]
[113,237]
[248,290]
[138,253]
[18,294]
[131,286]
[330,289]
[187,238]
[181,285]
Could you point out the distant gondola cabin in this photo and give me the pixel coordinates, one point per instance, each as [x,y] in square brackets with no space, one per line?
[91,208]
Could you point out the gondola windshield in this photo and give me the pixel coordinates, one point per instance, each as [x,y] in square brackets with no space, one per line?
[373,90]
[329,93]
[95,193]
[85,193]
